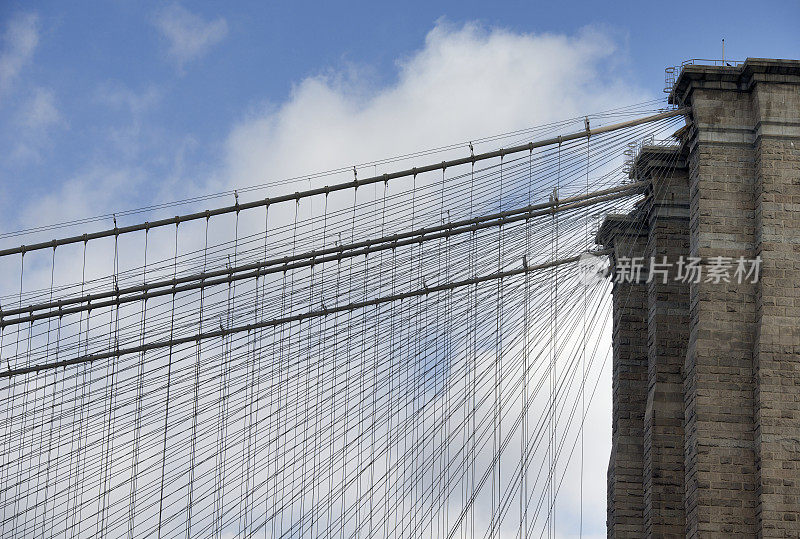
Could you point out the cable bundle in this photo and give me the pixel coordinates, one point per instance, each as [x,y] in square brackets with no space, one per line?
[407,356]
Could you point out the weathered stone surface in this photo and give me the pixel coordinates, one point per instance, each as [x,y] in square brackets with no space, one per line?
[668,334]
[629,388]
[707,408]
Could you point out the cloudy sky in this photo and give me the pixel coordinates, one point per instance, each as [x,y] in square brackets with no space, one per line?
[113,105]
[136,101]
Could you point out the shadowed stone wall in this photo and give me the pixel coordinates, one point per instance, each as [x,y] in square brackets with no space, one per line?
[720,427]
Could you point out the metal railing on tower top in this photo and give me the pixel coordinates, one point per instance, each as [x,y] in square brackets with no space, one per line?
[635,147]
[672,73]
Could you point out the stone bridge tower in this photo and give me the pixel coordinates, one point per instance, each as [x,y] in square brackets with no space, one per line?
[706,376]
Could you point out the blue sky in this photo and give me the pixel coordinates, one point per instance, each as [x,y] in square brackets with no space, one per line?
[104,73]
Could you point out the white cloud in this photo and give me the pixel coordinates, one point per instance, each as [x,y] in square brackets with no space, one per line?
[465,82]
[79,195]
[188,34]
[119,96]
[21,37]
[40,112]
[35,112]
[36,118]
[133,135]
